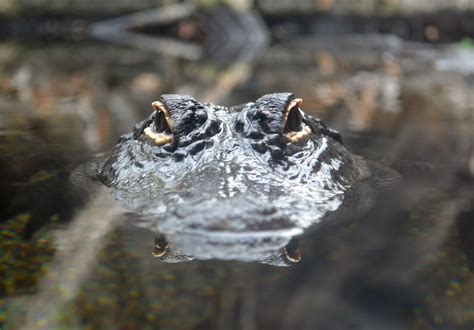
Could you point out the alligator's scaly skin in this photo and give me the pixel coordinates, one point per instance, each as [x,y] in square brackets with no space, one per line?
[231,180]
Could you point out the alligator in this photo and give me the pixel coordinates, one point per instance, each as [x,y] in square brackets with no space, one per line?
[241,182]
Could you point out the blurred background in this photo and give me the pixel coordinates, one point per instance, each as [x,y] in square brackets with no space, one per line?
[395,77]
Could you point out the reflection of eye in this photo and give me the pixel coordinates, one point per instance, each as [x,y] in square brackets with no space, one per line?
[292,252]
[160,247]
[293,127]
[160,130]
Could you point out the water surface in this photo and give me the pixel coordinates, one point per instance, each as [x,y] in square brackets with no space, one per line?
[67,262]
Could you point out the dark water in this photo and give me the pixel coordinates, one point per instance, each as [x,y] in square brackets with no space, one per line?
[407,263]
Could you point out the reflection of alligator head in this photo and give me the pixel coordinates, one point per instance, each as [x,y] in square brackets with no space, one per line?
[231,183]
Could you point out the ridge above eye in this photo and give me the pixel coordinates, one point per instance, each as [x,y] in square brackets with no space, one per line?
[280,113]
[175,116]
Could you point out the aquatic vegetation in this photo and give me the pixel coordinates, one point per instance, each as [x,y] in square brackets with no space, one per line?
[22,261]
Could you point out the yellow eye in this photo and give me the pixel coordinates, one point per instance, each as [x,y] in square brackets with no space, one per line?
[293,127]
[160,130]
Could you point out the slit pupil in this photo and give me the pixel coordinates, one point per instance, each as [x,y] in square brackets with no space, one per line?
[294,121]
[161,125]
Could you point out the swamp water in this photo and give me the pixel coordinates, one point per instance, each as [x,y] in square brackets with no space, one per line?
[67,262]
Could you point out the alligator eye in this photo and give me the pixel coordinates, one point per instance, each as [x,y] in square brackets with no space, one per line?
[278,114]
[160,130]
[293,127]
[293,118]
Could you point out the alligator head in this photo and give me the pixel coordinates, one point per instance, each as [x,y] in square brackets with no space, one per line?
[231,183]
